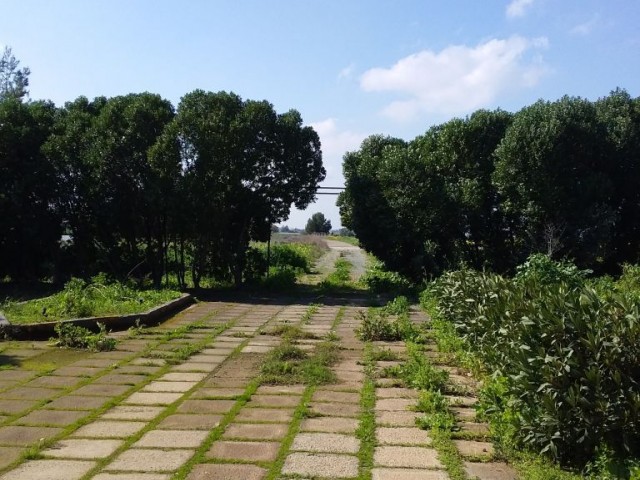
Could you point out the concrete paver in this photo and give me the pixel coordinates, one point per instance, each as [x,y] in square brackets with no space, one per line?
[25,436]
[152,398]
[58,418]
[50,470]
[274,431]
[410,457]
[330,425]
[8,455]
[267,415]
[150,460]
[107,429]
[407,474]
[227,472]
[82,449]
[244,451]
[132,476]
[321,465]
[171,439]
[190,421]
[402,436]
[490,471]
[325,443]
[132,412]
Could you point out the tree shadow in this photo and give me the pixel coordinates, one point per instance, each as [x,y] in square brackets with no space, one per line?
[7,361]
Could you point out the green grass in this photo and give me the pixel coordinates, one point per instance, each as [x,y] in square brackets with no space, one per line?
[288,364]
[366,431]
[86,299]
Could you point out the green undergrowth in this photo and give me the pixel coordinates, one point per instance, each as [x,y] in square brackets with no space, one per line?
[340,278]
[288,364]
[73,336]
[79,298]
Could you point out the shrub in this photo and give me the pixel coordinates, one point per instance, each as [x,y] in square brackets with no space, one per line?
[72,336]
[379,280]
[569,357]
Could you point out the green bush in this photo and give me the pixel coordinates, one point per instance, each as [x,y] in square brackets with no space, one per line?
[379,280]
[72,336]
[80,298]
[569,357]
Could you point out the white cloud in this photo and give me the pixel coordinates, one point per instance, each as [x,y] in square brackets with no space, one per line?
[517,8]
[346,72]
[587,27]
[335,142]
[458,79]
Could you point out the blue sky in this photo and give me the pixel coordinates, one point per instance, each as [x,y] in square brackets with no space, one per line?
[351,67]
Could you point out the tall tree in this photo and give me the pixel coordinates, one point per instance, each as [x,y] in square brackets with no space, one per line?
[318,224]
[29,225]
[13,80]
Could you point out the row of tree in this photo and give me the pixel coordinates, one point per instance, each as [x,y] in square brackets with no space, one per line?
[140,188]
[486,191]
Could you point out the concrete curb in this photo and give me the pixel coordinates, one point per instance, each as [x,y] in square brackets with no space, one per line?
[43,331]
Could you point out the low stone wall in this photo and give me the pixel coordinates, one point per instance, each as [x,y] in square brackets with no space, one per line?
[45,330]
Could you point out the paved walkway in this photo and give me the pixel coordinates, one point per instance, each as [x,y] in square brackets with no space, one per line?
[184,401]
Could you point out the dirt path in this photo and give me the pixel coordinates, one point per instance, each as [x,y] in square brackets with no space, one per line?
[184,401]
[353,254]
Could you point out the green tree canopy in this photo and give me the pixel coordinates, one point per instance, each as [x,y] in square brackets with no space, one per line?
[318,224]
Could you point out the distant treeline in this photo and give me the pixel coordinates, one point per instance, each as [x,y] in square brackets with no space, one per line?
[486,191]
[139,188]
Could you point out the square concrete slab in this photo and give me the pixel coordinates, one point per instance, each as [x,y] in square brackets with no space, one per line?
[82,449]
[265,415]
[54,382]
[182,377]
[50,470]
[329,424]
[274,401]
[169,387]
[227,472]
[402,436]
[281,389]
[490,471]
[132,412]
[206,406]
[10,407]
[8,455]
[469,448]
[217,393]
[51,417]
[245,451]
[171,439]
[150,460]
[396,419]
[74,402]
[190,422]
[25,436]
[321,465]
[394,404]
[273,431]
[114,429]
[195,367]
[71,371]
[409,457]
[102,390]
[152,398]
[331,396]
[325,443]
[396,392]
[24,393]
[335,409]
[407,474]
[132,476]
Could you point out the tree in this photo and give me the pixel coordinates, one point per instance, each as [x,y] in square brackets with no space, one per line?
[554,174]
[13,80]
[318,224]
[243,166]
[29,224]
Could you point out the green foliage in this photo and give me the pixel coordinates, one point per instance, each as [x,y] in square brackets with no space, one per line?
[566,358]
[318,224]
[340,277]
[288,364]
[418,372]
[83,299]
[389,323]
[379,280]
[72,336]
[542,269]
